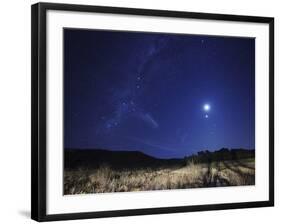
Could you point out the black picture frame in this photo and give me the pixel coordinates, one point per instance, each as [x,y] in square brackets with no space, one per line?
[39,122]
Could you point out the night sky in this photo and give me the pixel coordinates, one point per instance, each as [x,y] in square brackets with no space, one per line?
[167,95]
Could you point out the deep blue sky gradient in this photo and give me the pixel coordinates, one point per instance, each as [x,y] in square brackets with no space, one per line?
[146,91]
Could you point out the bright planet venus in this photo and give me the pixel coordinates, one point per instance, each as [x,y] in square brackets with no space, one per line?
[207,107]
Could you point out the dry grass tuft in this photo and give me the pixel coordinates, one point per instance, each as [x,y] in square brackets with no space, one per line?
[192,175]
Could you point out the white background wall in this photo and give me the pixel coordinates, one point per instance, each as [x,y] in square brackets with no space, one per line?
[15,110]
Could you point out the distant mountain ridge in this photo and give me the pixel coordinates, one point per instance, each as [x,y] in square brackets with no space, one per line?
[94,158]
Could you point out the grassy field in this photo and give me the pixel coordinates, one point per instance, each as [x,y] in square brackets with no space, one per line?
[214,174]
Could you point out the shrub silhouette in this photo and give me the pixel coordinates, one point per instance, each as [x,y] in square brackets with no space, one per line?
[223,154]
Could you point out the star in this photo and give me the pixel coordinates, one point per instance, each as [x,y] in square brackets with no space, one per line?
[108,126]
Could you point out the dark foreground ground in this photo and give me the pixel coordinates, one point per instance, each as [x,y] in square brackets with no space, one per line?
[100,171]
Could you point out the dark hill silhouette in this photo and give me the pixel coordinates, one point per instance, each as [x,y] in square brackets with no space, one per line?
[94,158]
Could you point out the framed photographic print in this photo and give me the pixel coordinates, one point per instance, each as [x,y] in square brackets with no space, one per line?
[138,111]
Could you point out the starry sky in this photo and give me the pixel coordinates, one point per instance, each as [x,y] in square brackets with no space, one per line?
[167,95]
